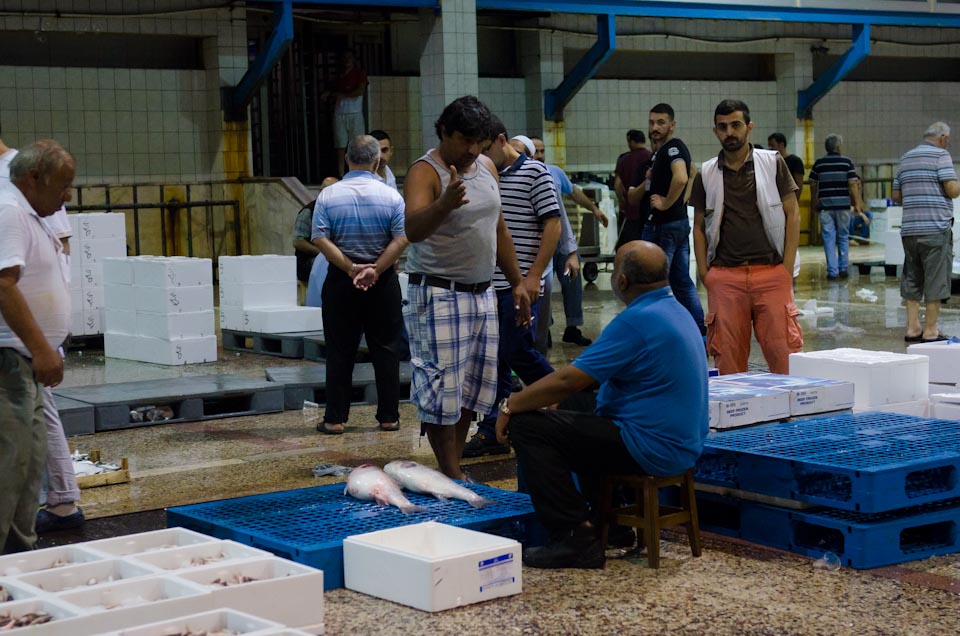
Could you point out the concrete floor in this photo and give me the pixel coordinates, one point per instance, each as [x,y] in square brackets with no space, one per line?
[735,588]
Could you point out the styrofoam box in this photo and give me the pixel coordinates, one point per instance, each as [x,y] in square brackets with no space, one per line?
[175,271]
[120,321]
[214,621]
[17,591]
[173,300]
[149,541]
[92,321]
[92,297]
[101,225]
[74,221]
[194,324]
[86,575]
[118,345]
[283,320]
[432,566]
[935,388]
[62,614]
[880,377]
[176,351]
[714,410]
[257,269]
[118,271]
[219,553]
[37,560]
[233,318]
[807,395]
[745,405]
[91,275]
[917,408]
[128,603]
[119,297]
[254,295]
[945,406]
[892,248]
[76,323]
[944,360]
[96,250]
[76,299]
[283,591]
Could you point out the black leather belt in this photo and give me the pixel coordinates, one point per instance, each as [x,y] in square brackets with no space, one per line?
[443,283]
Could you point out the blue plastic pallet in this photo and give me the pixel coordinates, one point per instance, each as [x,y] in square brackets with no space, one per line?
[865,462]
[308,525]
[862,541]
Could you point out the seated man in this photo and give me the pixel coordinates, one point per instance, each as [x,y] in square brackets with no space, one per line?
[650,415]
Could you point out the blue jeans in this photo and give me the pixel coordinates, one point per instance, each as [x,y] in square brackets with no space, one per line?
[572,289]
[835,230]
[673,238]
[859,227]
[517,352]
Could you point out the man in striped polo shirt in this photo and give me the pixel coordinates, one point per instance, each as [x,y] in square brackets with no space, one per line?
[926,182]
[833,184]
[532,215]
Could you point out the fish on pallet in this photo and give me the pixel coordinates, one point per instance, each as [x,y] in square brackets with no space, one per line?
[370,483]
[424,480]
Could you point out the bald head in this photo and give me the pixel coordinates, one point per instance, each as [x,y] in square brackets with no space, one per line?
[638,267]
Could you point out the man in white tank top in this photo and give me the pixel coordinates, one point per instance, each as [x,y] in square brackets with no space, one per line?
[457,236]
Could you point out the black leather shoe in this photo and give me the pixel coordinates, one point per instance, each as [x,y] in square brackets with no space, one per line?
[579,548]
[480,445]
[575,336]
[621,537]
[844,273]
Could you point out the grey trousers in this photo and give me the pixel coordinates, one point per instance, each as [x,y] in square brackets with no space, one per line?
[60,485]
[23,452]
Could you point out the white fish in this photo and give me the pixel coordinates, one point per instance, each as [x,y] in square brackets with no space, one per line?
[419,478]
[370,483]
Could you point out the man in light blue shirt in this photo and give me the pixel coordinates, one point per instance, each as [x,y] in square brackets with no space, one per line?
[650,415]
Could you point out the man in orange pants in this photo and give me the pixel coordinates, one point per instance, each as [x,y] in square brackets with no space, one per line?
[745,236]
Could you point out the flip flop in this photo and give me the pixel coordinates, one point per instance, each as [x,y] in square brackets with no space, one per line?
[918,338]
[324,427]
[940,338]
[389,426]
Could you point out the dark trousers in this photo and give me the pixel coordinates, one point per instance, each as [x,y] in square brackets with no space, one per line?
[349,313]
[553,445]
[518,353]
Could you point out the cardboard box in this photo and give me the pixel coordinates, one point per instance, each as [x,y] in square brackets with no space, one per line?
[256,295]
[744,405]
[119,297]
[118,271]
[944,360]
[195,324]
[96,250]
[432,566]
[807,395]
[173,300]
[257,269]
[880,377]
[174,271]
[283,320]
[284,591]
[120,322]
[176,351]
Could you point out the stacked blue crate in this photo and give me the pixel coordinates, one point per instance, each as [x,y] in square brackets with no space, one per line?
[875,476]
[308,525]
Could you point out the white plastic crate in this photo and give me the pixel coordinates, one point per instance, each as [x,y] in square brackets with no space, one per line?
[63,616]
[213,621]
[48,558]
[149,541]
[199,555]
[194,324]
[432,566]
[284,591]
[18,591]
[880,377]
[172,300]
[175,271]
[254,295]
[85,575]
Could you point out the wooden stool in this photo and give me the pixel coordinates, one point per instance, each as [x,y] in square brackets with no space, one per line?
[647,515]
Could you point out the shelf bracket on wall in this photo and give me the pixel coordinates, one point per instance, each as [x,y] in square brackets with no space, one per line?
[808,97]
[556,99]
[238,98]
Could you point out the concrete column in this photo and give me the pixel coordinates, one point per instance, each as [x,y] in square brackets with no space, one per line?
[794,73]
[541,61]
[448,65]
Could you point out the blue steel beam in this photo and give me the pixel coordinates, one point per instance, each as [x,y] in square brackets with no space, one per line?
[239,97]
[808,97]
[731,11]
[557,98]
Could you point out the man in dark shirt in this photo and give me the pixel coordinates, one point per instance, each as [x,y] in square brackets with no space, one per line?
[834,184]
[778,141]
[631,170]
[666,222]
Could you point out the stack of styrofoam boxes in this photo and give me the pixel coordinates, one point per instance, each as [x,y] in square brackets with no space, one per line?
[944,377]
[259,294]
[884,381]
[95,237]
[734,405]
[116,584]
[160,310]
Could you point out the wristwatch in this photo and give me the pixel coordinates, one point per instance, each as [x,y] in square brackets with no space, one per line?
[504,407]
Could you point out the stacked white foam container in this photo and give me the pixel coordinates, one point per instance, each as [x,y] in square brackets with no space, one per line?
[259,294]
[883,381]
[160,310]
[95,237]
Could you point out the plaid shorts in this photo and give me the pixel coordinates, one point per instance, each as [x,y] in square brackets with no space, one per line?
[454,338]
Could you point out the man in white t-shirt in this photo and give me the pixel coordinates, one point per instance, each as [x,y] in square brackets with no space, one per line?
[386,153]
[348,111]
[61,492]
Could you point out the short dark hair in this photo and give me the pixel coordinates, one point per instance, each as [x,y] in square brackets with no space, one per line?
[636,136]
[466,115]
[497,128]
[379,135]
[730,106]
[663,109]
[778,137]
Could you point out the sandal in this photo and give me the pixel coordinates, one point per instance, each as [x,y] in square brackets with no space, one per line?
[389,426]
[916,338]
[940,338]
[330,429]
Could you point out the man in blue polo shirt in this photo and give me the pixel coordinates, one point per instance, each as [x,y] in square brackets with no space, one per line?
[650,414]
